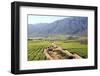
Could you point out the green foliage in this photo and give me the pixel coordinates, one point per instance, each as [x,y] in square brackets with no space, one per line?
[35,48]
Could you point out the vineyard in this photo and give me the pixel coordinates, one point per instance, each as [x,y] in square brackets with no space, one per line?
[36,48]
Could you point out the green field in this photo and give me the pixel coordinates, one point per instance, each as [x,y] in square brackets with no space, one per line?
[35,48]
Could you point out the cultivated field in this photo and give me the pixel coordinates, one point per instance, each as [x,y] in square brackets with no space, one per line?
[36,48]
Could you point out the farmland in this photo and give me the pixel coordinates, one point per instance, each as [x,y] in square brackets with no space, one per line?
[36,48]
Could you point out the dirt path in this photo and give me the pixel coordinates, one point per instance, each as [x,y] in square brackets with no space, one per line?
[55,52]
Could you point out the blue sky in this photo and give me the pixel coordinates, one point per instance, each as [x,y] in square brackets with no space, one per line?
[34,19]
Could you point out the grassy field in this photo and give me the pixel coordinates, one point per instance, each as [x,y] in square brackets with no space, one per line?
[75,47]
[35,48]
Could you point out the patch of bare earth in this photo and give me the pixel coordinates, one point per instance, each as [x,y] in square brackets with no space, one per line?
[55,52]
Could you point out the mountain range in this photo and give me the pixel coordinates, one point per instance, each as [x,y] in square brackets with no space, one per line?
[74,26]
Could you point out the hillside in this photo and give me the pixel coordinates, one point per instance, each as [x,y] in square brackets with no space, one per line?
[74,26]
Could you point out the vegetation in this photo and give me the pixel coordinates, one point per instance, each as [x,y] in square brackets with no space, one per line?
[35,47]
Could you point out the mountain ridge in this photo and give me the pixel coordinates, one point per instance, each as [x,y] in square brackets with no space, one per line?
[67,26]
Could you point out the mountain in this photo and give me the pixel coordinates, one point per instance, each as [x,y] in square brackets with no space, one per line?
[68,26]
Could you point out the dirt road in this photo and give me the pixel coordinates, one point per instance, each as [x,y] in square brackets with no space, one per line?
[55,52]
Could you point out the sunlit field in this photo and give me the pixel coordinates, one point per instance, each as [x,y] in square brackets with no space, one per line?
[36,48]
